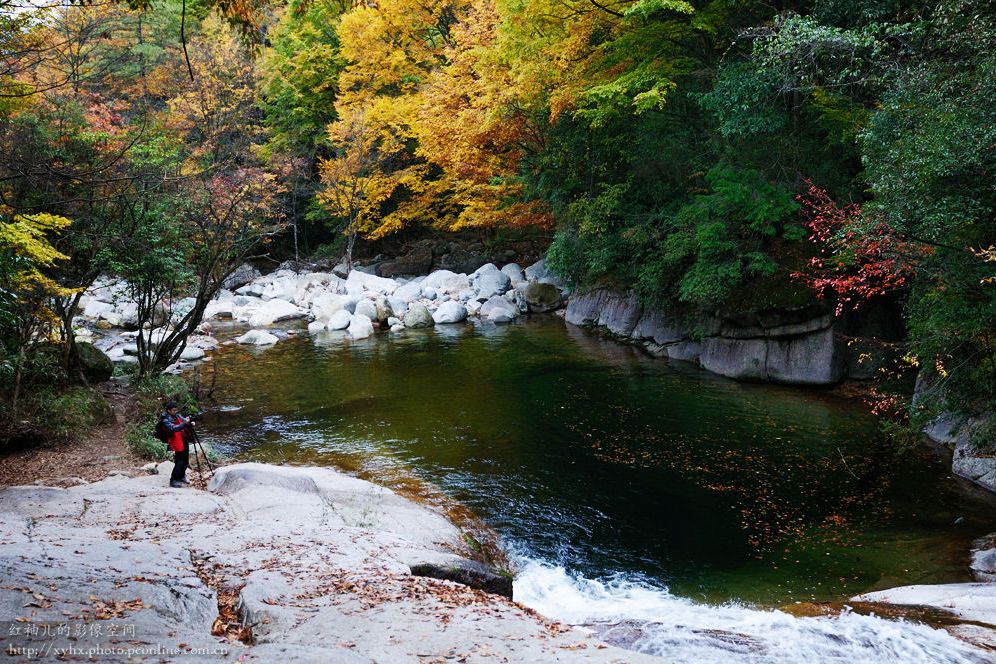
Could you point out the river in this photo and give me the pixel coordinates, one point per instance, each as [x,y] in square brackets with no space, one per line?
[625,487]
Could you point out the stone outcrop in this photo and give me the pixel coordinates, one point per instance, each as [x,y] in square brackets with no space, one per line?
[313,565]
[796,347]
[969,459]
[969,436]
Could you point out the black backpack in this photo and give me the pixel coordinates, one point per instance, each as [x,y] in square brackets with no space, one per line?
[161,432]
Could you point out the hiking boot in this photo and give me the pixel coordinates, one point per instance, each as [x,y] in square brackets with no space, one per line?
[175,484]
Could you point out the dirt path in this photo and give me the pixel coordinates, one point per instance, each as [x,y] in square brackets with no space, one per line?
[92,458]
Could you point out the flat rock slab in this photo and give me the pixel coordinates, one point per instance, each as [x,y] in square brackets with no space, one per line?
[316,562]
[970,601]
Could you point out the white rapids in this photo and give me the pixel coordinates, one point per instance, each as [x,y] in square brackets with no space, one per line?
[658,623]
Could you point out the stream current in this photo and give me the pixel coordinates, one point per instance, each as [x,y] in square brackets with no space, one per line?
[628,488]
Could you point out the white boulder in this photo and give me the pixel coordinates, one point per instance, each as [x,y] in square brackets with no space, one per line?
[360,327]
[398,306]
[450,311]
[409,292]
[325,304]
[220,309]
[435,279]
[340,320]
[366,308]
[490,281]
[497,302]
[361,281]
[192,354]
[501,316]
[274,311]
[95,308]
[257,338]
[514,272]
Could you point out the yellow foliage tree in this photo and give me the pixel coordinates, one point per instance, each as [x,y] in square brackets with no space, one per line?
[26,293]
[441,146]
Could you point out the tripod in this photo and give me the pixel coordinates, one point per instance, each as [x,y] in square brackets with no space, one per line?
[198,444]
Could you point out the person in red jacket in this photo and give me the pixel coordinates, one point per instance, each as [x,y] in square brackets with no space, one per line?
[175,425]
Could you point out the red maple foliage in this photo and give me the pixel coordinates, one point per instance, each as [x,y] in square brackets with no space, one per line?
[860,258]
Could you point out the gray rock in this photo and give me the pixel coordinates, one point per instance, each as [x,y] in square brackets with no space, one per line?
[358,282]
[656,325]
[538,271]
[302,550]
[95,308]
[418,316]
[543,297]
[684,351]
[469,573]
[984,558]
[274,311]
[383,309]
[617,312]
[418,261]
[241,276]
[450,311]
[812,359]
[462,260]
[349,303]
[324,305]
[97,367]
[393,320]
[743,359]
[437,278]
[398,328]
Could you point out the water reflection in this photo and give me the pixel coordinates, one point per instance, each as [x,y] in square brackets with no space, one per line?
[590,454]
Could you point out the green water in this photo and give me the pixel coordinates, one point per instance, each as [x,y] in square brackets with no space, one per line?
[588,454]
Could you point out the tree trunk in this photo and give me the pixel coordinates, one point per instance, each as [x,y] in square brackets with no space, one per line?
[18,371]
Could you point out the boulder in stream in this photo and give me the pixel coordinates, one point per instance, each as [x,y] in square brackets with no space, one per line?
[418,316]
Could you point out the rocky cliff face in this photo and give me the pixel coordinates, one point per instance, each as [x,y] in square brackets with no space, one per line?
[797,347]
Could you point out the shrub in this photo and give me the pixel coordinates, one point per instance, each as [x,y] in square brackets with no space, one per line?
[67,415]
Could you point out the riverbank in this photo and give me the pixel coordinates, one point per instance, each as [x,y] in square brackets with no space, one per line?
[94,455]
[319,565]
[271,562]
